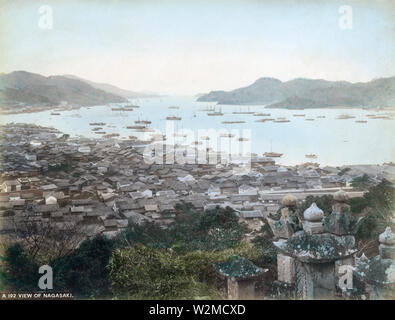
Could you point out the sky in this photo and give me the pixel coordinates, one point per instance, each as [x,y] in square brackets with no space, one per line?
[189,47]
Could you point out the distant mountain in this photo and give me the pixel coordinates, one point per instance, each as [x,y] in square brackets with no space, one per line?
[21,87]
[113,89]
[309,93]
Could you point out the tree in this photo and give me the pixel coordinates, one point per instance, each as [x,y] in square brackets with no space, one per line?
[20,271]
[43,239]
[84,272]
[361,182]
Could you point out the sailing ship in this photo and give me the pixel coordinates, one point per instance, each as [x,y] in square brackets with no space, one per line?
[272,154]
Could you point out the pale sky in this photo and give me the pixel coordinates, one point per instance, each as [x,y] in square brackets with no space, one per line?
[190,47]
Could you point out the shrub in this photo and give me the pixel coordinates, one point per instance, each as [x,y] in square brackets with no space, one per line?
[146,273]
[20,271]
[84,272]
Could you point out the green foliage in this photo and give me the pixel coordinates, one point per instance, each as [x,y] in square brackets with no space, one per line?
[380,204]
[142,272]
[362,182]
[200,263]
[268,252]
[20,271]
[149,234]
[84,272]
[216,229]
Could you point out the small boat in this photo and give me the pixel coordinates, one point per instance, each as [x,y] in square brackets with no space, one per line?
[273,154]
[262,114]
[309,119]
[100,132]
[282,120]
[97,124]
[145,129]
[111,135]
[133,138]
[217,113]
[97,129]
[242,139]
[173,118]
[226,135]
[232,122]
[264,120]
[135,127]
[142,122]
[361,121]
[174,107]
[55,114]
[298,115]
[320,117]
[243,112]
[344,117]
[311,156]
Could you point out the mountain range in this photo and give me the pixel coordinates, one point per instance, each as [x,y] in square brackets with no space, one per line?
[25,88]
[309,93]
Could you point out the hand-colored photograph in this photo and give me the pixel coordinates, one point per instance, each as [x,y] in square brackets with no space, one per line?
[222,150]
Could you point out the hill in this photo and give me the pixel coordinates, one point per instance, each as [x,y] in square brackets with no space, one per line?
[309,93]
[25,88]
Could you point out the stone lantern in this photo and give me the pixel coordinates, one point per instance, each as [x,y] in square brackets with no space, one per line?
[240,275]
[315,253]
[284,227]
[378,273]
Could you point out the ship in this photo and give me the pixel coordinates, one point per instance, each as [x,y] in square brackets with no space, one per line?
[216,113]
[142,122]
[135,127]
[264,120]
[262,114]
[111,135]
[344,117]
[173,118]
[226,135]
[273,154]
[232,122]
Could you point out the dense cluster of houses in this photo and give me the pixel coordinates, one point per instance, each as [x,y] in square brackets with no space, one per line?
[105,183]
